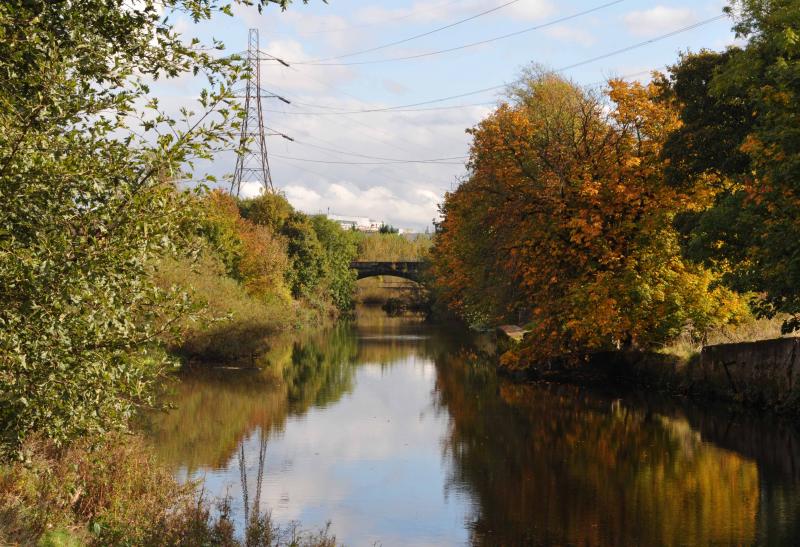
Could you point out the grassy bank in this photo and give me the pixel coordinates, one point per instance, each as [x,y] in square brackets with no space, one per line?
[687,346]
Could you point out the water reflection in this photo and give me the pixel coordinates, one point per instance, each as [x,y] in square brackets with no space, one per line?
[559,465]
[399,434]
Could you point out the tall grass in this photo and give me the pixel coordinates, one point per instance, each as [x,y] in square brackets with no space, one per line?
[687,345]
[393,247]
[114,492]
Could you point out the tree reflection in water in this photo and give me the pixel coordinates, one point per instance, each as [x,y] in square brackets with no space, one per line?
[550,464]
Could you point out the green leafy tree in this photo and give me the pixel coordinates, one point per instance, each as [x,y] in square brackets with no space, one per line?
[87,156]
[740,142]
[268,209]
[306,254]
[341,247]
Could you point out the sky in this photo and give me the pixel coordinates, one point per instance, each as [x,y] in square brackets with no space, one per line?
[345,105]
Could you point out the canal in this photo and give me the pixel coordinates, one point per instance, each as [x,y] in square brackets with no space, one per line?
[399,433]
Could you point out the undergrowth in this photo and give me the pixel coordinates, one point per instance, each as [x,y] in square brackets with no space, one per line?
[114,492]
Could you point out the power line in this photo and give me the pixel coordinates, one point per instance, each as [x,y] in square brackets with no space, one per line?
[500,86]
[294,165]
[356,121]
[415,37]
[646,42]
[433,108]
[323,62]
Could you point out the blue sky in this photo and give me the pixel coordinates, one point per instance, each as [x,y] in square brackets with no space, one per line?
[324,96]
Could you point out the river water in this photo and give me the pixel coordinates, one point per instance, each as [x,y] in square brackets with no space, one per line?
[399,434]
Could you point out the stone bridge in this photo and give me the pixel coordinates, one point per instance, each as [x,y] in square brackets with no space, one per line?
[407,270]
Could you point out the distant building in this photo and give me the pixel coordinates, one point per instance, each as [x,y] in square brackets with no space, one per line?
[362,224]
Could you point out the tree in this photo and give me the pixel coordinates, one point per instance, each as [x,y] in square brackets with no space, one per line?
[254,254]
[87,160]
[268,209]
[306,254]
[565,222]
[341,247]
[740,129]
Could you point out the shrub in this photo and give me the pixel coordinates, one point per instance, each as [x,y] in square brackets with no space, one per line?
[251,253]
[268,209]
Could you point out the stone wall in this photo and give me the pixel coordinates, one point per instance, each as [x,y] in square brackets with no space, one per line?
[764,373]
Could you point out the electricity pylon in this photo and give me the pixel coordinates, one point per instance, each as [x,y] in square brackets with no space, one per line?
[252,163]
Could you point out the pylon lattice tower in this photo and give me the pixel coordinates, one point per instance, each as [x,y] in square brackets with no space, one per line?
[252,163]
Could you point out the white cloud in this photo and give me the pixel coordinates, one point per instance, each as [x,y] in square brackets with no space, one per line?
[305,78]
[418,12]
[250,189]
[414,208]
[658,19]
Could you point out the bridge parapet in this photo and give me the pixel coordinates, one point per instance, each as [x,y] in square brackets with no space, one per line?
[405,269]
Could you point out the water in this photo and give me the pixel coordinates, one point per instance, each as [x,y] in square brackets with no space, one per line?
[399,434]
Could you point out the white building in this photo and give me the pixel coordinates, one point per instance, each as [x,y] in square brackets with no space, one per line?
[362,224]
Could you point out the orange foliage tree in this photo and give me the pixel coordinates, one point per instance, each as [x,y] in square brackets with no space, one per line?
[564,222]
[252,254]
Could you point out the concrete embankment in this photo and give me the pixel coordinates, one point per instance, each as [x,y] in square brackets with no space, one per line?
[763,374]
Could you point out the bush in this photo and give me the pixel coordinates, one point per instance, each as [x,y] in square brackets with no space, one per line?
[340,248]
[253,254]
[268,209]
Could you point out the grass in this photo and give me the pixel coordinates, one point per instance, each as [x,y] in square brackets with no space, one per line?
[686,346]
[114,492]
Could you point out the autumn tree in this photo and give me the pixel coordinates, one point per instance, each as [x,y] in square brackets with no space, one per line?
[253,254]
[565,222]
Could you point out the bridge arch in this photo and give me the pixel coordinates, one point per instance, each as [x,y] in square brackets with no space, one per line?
[406,269]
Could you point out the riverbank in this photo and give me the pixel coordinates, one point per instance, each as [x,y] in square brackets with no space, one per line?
[763,374]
